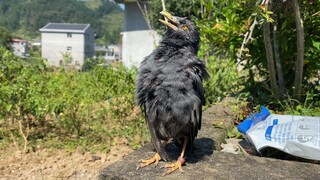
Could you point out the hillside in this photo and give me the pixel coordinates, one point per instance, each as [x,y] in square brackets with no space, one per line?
[24,18]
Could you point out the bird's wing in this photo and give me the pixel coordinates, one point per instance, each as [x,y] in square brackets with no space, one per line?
[140,88]
[197,72]
[146,84]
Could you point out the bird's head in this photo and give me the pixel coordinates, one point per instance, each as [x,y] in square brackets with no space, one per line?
[181,30]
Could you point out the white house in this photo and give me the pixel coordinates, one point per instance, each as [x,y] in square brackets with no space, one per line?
[138,40]
[20,47]
[75,40]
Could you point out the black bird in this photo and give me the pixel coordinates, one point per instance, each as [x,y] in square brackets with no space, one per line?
[169,88]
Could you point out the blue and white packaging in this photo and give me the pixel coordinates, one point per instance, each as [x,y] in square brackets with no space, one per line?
[296,135]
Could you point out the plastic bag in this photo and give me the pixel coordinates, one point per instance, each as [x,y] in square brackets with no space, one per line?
[296,135]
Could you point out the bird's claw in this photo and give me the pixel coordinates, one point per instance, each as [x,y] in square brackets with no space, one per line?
[155,159]
[173,167]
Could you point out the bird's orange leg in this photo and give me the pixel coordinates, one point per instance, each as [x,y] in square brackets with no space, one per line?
[178,164]
[155,159]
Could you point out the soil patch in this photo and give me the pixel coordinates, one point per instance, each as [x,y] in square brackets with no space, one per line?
[58,164]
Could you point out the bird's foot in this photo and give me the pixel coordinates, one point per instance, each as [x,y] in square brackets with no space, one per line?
[155,159]
[174,166]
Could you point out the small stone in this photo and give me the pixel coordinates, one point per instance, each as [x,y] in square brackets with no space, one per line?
[94,158]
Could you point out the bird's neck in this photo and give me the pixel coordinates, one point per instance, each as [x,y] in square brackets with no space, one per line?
[165,51]
[175,45]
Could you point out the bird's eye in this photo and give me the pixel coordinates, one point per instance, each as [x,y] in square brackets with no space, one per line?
[184,27]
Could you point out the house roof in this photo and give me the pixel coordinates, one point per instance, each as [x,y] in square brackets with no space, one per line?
[18,40]
[124,1]
[65,27]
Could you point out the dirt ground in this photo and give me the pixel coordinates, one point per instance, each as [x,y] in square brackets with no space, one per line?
[57,164]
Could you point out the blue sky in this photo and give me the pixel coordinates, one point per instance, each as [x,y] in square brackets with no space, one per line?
[121,5]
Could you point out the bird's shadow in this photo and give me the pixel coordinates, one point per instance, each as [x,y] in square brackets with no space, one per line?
[203,147]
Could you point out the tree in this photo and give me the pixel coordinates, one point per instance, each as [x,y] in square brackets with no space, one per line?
[5,38]
[273,56]
[66,58]
[27,17]
[300,50]
[279,61]
[270,59]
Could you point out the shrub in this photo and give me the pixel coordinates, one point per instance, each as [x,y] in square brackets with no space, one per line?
[69,106]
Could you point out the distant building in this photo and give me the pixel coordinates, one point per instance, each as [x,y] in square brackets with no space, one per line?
[20,47]
[59,39]
[112,53]
[36,43]
[138,40]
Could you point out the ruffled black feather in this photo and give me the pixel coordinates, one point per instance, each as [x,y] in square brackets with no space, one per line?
[169,87]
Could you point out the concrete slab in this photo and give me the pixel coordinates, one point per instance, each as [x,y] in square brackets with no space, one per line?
[208,163]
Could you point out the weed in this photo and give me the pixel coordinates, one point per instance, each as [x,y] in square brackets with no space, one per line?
[68,109]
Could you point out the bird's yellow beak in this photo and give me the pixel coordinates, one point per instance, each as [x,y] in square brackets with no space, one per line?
[171,23]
